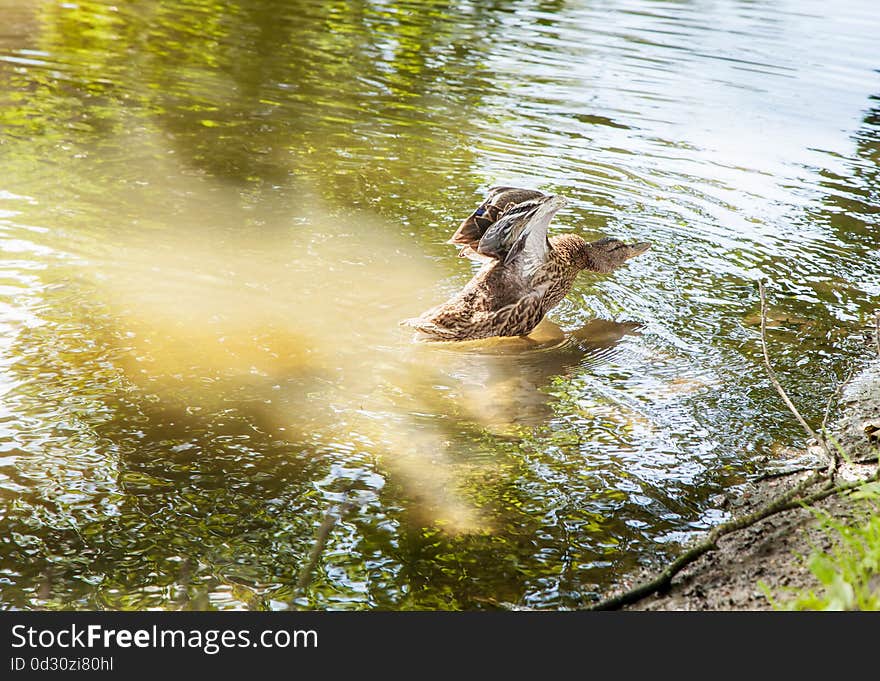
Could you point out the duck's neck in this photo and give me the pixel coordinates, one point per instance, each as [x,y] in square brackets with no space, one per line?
[562,267]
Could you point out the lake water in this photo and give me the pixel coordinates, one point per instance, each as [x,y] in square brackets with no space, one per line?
[213,216]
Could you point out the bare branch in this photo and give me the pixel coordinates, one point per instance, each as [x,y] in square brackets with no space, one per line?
[796,496]
[831,399]
[786,501]
[830,455]
[330,519]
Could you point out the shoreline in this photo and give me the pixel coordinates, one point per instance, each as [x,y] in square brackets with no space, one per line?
[775,551]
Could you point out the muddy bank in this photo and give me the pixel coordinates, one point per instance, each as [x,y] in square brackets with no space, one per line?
[774,551]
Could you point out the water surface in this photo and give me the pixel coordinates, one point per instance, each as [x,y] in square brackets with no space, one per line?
[213,215]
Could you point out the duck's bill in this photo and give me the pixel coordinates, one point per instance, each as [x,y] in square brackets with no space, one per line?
[639,248]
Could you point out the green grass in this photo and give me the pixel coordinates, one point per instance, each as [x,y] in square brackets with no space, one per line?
[849,572]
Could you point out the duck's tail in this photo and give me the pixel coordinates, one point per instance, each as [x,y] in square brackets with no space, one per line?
[431,330]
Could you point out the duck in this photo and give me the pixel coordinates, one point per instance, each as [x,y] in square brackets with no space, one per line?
[524,273]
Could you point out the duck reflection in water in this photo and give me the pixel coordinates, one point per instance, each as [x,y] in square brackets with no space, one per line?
[502,383]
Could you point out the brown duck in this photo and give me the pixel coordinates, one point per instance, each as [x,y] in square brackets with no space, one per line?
[525,274]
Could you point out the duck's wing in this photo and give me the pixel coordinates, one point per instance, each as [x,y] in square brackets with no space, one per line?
[497,200]
[519,235]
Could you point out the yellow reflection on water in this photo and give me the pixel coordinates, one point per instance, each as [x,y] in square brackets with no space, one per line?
[307,320]
[319,305]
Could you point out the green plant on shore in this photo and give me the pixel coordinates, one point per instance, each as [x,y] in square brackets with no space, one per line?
[849,572]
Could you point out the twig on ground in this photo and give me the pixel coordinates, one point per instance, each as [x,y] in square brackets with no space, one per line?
[664,579]
[786,501]
[822,494]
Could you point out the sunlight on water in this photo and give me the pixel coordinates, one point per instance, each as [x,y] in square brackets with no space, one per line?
[214,215]
[320,311]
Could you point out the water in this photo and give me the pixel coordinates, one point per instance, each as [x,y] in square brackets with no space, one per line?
[213,216]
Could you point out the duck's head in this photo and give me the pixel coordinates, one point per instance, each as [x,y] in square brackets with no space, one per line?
[607,254]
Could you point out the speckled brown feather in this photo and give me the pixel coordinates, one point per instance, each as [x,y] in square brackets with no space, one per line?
[502,300]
